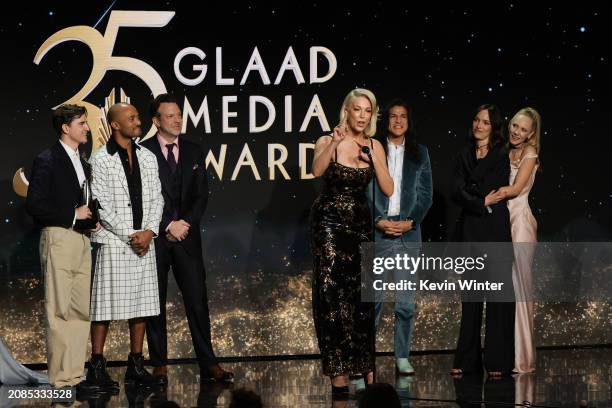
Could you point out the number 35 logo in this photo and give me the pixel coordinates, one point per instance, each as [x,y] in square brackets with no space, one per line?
[103,60]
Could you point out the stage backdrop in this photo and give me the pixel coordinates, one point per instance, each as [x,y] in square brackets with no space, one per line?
[258,86]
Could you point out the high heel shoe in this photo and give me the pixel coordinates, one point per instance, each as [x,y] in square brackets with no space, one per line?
[365,378]
[340,391]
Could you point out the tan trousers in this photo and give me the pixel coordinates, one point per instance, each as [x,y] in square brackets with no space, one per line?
[66,264]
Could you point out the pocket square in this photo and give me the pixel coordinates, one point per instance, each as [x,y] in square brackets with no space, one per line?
[195,166]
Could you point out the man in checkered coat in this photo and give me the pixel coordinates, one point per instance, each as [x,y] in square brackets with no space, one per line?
[125,181]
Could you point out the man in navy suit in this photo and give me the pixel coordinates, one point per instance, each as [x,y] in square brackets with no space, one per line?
[57,177]
[398,218]
[185,191]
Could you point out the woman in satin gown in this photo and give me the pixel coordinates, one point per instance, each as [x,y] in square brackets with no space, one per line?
[524,141]
[340,220]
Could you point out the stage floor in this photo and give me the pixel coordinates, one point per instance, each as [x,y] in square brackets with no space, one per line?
[564,378]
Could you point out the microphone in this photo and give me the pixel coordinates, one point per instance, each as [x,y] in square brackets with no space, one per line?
[366,150]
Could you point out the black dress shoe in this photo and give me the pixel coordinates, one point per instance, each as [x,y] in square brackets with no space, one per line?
[136,374]
[161,380]
[97,378]
[216,373]
[161,375]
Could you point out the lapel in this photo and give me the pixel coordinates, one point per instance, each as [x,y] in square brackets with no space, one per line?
[483,166]
[122,178]
[143,176]
[86,169]
[165,174]
[66,164]
[186,170]
[381,201]
[115,159]
[408,167]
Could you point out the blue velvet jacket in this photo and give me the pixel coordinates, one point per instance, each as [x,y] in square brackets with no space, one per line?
[416,196]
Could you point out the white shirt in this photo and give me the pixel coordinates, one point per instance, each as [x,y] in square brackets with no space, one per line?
[395,162]
[78,167]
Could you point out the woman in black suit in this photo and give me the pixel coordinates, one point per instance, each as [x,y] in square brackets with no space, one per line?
[481,168]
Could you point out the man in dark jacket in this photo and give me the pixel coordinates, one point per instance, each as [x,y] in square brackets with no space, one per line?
[185,191]
[54,193]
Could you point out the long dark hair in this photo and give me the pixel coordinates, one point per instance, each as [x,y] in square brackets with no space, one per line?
[411,146]
[497,125]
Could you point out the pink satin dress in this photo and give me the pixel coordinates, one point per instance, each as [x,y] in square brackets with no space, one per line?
[524,231]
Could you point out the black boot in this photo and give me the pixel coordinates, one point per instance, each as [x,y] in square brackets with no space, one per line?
[97,378]
[136,374]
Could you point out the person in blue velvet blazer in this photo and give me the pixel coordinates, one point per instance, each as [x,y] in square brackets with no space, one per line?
[398,218]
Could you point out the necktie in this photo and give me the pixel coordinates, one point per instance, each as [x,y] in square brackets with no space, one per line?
[171,159]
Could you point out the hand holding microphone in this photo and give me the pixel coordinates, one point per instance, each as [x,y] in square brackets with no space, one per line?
[365,153]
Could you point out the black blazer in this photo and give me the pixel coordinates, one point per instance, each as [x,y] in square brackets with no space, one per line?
[194,188]
[54,191]
[472,180]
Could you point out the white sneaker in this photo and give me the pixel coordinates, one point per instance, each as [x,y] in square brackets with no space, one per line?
[358,383]
[403,366]
[402,382]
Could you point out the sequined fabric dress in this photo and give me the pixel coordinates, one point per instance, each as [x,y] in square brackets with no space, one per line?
[340,220]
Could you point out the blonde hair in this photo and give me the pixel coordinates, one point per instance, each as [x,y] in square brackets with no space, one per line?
[355,93]
[536,126]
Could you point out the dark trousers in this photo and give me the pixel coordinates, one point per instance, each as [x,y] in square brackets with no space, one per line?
[499,337]
[191,279]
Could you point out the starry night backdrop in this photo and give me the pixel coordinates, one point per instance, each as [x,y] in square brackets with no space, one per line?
[443,61]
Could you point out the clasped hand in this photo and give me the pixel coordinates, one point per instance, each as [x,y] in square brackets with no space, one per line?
[140,241]
[394,228]
[178,231]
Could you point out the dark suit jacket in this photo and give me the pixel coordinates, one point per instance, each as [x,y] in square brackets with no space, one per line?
[54,191]
[472,180]
[194,189]
[416,197]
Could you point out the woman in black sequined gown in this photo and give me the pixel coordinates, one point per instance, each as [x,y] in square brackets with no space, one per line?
[340,221]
